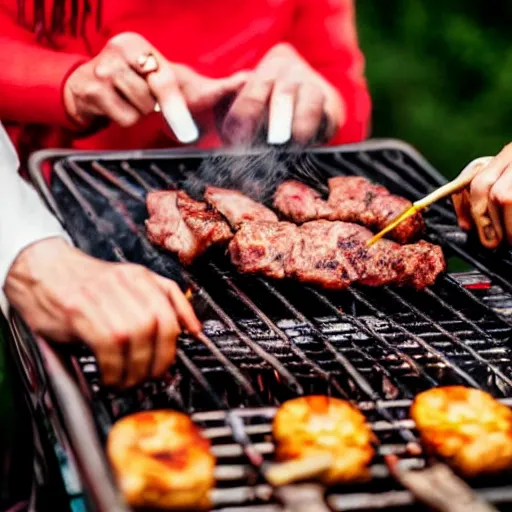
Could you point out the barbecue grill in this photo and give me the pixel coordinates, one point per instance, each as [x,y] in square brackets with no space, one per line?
[270,341]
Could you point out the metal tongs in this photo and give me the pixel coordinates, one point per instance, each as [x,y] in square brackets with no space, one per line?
[459,183]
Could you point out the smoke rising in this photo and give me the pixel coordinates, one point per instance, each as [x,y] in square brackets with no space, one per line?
[254,171]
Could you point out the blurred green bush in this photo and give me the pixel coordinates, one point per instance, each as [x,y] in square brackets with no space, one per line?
[440,74]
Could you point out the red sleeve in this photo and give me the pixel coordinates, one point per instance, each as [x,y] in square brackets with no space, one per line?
[324,33]
[31,77]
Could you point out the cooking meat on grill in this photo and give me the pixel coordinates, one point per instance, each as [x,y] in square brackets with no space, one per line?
[237,207]
[467,427]
[300,203]
[313,425]
[351,199]
[184,226]
[333,255]
[355,199]
[262,247]
[160,460]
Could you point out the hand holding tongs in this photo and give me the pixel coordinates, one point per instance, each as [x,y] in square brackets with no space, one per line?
[459,183]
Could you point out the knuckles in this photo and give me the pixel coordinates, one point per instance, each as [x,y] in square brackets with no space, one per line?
[501,195]
[126,38]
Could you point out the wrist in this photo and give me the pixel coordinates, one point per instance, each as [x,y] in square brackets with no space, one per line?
[32,258]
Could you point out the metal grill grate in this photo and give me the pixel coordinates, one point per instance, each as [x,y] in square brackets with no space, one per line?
[277,340]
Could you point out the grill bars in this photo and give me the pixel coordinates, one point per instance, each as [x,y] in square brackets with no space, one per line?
[280,340]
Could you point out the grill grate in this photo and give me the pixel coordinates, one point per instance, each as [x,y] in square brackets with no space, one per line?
[278,340]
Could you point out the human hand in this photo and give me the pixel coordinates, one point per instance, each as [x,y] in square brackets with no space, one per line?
[129,316]
[126,80]
[299,101]
[487,203]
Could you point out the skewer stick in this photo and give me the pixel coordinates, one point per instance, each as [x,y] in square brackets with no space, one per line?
[439,488]
[448,189]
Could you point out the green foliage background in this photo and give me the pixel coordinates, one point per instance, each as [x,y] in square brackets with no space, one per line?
[440,74]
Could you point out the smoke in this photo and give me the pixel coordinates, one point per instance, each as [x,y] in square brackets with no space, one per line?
[254,171]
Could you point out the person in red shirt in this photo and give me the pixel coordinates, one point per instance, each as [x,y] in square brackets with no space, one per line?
[88,74]
[75,74]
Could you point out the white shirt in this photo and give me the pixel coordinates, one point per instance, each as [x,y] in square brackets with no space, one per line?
[24,218]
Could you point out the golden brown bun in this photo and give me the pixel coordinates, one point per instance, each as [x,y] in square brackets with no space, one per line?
[161,461]
[312,425]
[466,427]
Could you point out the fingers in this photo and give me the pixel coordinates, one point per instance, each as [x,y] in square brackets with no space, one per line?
[484,214]
[154,304]
[309,110]
[91,324]
[162,83]
[201,92]
[461,200]
[184,310]
[135,89]
[247,113]
[501,200]
[107,102]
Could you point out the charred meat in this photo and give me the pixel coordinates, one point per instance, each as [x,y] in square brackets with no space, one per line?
[184,226]
[161,461]
[313,425]
[466,427]
[236,207]
[355,199]
[333,255]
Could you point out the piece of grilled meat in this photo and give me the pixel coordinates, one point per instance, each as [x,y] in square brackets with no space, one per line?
[351,199]
[184,226]
[467,427]
[300,203]
[355,199]
[161,461]
[312,425]
[333,255]
[261,247]
[236,207]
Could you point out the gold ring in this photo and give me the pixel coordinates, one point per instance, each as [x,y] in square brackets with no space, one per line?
[147,63]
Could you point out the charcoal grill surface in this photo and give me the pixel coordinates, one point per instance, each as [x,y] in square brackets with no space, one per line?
[278,340]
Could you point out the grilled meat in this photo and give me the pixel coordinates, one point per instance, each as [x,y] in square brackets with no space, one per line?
[165,226]
[184,226]
[261,247]
[333,255]
[467,427]
[161,461]
[237,207]
[312,425]
[351,199]
[300,203]
[315,256]
[355,199]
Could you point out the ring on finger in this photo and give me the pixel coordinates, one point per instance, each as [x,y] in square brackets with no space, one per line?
[147,63]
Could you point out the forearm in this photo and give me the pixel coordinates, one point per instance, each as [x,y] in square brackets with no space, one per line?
[32,76]
[24,219]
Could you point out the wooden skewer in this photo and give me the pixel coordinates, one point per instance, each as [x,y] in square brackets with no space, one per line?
[448,189]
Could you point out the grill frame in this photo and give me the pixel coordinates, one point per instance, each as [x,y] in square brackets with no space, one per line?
[39,158]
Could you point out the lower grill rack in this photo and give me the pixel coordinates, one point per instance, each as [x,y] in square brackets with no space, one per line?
[237,488]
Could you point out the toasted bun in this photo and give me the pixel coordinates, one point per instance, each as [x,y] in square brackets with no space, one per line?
[466,427]
[161,460]
[312,425]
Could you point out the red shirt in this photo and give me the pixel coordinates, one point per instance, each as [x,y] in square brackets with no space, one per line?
[214,37]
